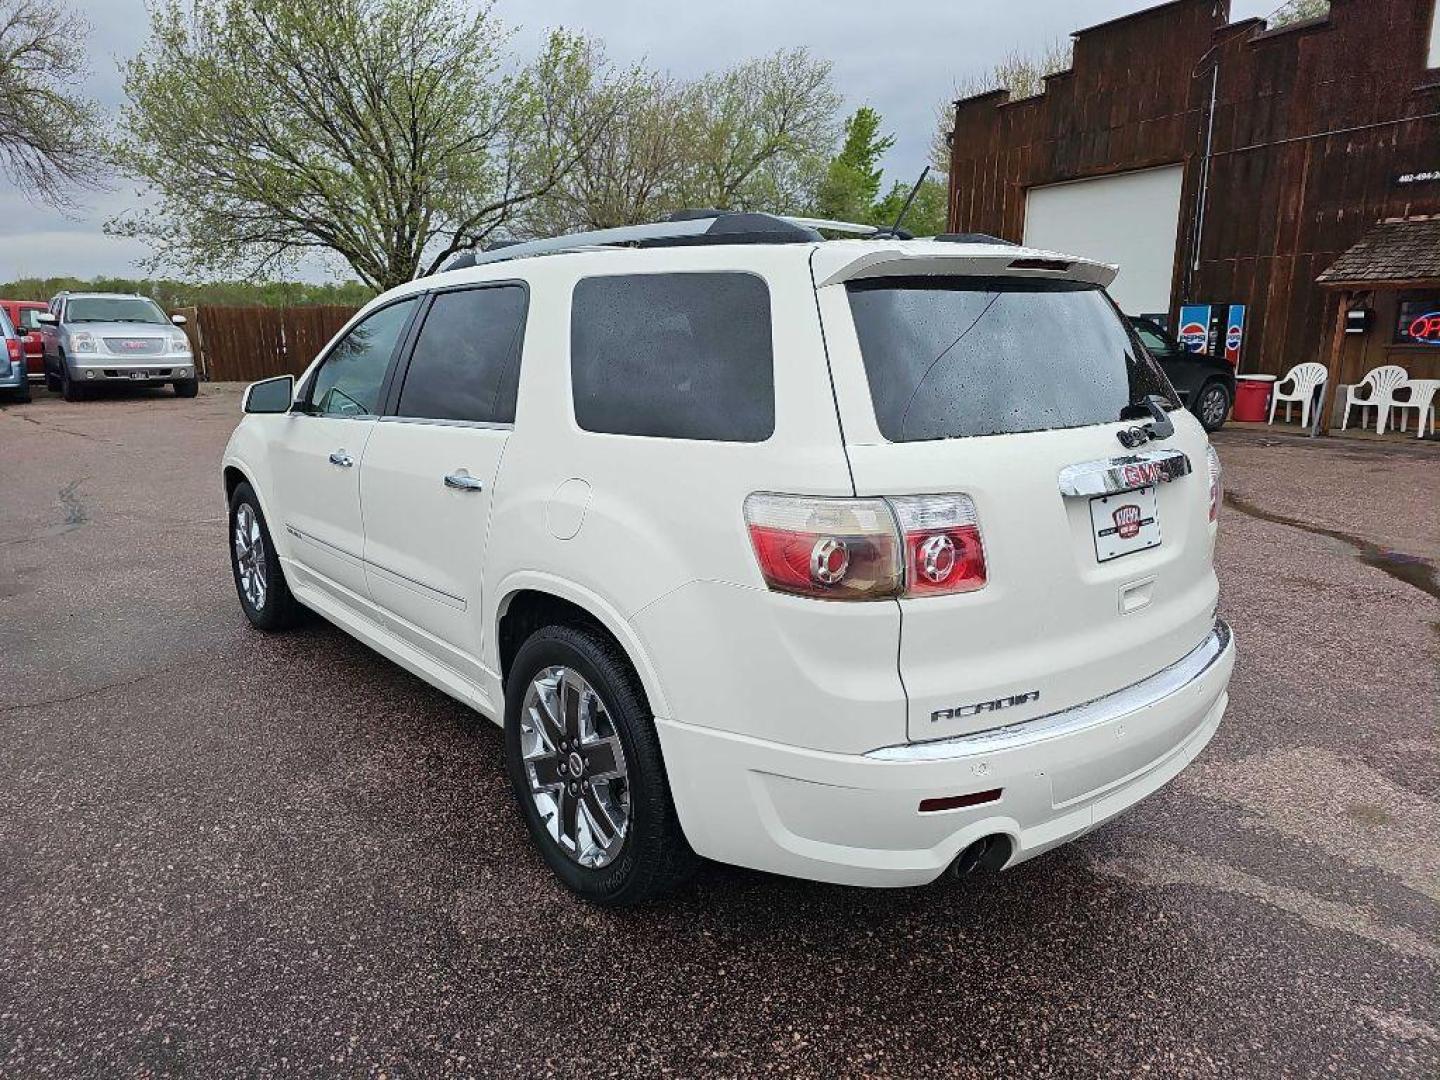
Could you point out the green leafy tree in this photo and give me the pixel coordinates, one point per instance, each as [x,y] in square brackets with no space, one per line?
[1023,74]
[927,214]
[389,133]
[47,140]
[1299,11]
[852,180]
[173,294]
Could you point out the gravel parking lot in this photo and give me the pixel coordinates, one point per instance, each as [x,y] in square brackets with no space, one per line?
[225,854]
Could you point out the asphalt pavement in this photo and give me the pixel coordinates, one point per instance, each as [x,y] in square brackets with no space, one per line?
[225,854]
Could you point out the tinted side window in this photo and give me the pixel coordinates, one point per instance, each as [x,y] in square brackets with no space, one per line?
[348,382]
[678,356]
[1153,341]
[466,360]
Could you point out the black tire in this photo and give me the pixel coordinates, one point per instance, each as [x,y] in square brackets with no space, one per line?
[70,390]
[1212,405]
[277,609]
[52,383]
[654,856]
[187,387]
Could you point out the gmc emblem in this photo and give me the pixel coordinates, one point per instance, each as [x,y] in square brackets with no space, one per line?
[1144,474]
[964,711]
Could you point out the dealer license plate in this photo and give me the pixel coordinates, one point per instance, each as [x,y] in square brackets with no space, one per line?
[1124,524]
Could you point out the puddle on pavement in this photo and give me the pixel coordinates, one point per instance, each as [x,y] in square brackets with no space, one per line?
[1410,569]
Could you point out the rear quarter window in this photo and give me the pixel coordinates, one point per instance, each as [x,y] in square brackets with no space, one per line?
[675,356]
[955,357]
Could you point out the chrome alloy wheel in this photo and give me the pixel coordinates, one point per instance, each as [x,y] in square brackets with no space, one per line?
[250,556]
[1213,406]
[575,765]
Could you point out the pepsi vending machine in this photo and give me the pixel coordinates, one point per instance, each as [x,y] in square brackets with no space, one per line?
[1217,329]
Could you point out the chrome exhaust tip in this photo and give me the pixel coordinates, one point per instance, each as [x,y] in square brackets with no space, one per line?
[988,854]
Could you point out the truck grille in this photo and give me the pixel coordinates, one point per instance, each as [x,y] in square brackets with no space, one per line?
[135,346]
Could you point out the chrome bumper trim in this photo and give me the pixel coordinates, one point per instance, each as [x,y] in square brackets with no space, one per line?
[1163,684]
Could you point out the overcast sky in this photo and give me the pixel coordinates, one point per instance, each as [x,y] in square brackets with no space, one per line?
[902,68]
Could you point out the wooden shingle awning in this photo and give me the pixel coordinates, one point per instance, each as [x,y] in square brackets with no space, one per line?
[1392,255]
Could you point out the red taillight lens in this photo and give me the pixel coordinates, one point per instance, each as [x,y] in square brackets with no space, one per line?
[1216,474]
[867,549]
[943,552]
[13,348]
[837,549]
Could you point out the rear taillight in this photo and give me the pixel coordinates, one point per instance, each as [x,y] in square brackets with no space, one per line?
[1216,473]
[839,549]
[13,348]
[942,544]
[867,549]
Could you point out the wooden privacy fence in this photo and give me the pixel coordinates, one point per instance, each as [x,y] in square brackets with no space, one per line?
[243,344]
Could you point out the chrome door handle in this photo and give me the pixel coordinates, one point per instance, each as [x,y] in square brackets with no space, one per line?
[461,481]
[341,458]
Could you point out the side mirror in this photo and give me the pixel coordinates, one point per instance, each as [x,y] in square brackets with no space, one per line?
[178,320]
[48,318]
[269,395]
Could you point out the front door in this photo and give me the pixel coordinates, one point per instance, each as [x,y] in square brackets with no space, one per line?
[430,470]
[317,455]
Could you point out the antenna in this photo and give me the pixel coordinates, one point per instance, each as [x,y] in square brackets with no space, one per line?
[895,229]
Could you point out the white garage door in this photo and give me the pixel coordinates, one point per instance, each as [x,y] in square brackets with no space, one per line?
[1131,220]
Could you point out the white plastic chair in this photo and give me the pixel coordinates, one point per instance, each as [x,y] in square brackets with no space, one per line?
[1302,380]
[1421,399]
[1378,385]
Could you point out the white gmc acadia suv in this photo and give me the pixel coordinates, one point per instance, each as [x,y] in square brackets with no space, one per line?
[858,560]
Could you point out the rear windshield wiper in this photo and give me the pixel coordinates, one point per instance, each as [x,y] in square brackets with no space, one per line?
[1159,426]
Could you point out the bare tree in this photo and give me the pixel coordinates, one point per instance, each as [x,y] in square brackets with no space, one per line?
[1023,74]
[755,136]
[392,133]
[760,134]
[47,128]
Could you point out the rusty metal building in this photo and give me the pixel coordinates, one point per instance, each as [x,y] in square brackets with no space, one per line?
[1225,163]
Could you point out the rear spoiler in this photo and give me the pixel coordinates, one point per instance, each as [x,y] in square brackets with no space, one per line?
[835,263]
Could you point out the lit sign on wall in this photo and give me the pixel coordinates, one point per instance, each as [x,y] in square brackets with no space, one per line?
[1419,322]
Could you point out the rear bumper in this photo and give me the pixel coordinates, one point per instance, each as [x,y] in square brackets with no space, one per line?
[13,375]
[856,819]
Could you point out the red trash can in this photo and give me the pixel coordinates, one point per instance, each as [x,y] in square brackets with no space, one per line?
[1252,398]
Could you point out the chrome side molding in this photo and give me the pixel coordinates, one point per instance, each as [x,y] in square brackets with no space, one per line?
[1163,684]
[1111,476]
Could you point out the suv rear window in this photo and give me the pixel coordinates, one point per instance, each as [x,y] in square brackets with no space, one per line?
[676,356]
[954,357]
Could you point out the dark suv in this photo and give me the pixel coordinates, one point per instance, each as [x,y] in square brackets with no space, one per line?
[1205,383]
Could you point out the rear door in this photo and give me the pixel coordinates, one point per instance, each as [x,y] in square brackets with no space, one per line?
[1014,391]
[428,480]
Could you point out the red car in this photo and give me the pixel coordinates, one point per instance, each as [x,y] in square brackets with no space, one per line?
[22,316]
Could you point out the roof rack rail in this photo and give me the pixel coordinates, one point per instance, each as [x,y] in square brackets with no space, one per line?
[684,228]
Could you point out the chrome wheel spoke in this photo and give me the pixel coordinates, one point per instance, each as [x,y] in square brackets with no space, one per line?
[543,714]
[545,770]
[603,827]
[571,694]
[602,760]
[569,821]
